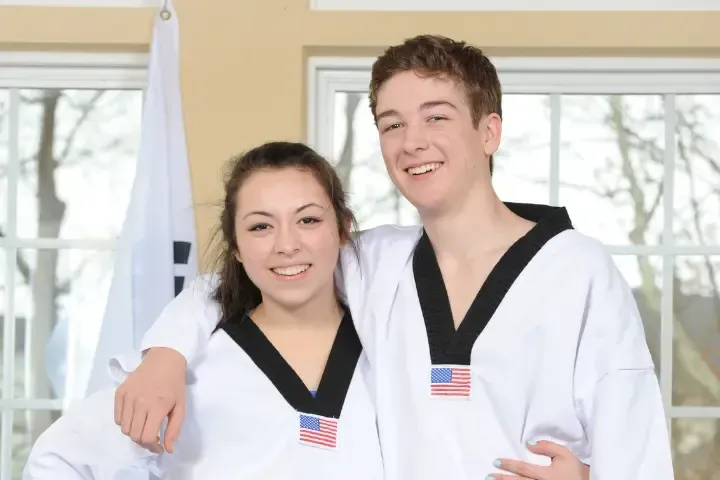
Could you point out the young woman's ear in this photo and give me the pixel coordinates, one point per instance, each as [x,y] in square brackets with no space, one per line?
[237,256]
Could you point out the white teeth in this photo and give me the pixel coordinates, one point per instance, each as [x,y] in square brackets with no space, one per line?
[290,271]
[424,168]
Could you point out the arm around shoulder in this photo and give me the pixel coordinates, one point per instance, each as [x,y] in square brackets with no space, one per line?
[187,322]
[617,392]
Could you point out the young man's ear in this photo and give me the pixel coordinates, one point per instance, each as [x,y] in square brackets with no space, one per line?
[493,133]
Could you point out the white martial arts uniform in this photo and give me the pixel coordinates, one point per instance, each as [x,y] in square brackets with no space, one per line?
[552,348]
[249,416]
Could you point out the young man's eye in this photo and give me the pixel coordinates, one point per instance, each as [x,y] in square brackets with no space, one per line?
[391,127]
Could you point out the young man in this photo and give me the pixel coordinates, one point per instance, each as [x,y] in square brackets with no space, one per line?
[491,326]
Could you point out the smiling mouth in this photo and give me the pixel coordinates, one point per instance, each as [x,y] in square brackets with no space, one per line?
[423,169]
[292,271]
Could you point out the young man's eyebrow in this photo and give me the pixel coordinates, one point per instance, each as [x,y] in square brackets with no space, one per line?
[424,106]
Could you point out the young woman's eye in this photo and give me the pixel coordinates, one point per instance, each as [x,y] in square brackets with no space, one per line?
[309,220]
[259,227]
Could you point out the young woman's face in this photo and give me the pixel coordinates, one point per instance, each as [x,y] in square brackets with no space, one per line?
[287,235]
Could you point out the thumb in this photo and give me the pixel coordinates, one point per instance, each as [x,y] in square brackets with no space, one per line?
[175,419]
[548,449]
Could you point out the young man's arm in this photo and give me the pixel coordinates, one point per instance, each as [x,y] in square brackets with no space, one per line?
[155,390]
[617,392]
[85,444]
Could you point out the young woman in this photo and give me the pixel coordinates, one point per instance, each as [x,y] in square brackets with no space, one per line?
[281,390]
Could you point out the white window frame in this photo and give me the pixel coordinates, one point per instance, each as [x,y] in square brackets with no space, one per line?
[556,76]
[39,70]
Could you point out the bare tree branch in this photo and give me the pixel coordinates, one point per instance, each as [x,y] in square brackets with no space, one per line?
[345,163]
[85,109]
[698,228]
[653,208]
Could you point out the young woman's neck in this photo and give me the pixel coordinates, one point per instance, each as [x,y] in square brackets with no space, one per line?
[477,224]
[321,311]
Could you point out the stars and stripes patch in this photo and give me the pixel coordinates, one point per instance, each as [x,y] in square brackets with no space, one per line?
[450,381]
[318,431]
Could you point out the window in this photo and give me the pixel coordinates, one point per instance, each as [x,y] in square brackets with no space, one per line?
[632,148]
[69,136]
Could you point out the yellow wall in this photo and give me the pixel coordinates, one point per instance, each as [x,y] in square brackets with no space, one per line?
[243,60]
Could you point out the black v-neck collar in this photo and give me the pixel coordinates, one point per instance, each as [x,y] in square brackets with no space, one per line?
[335,382]
[451,347]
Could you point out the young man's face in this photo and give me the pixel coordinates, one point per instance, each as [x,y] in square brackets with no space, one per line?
[432,152]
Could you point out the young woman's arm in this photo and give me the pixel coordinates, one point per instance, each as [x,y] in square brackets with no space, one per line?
[85,444]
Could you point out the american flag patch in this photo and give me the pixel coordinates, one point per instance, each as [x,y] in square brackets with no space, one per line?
[450,381]
[317,431]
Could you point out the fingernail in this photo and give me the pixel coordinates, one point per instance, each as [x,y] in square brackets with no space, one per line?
[532,442]
[497,463]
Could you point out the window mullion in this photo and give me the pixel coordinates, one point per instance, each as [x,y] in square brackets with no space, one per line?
[666,309]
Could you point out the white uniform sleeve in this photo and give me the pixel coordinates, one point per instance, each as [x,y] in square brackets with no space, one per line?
[617,392]
[186,324]
[85,443]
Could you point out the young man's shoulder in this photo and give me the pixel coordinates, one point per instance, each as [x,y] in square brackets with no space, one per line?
[379,250]
[583,254]
[389,235]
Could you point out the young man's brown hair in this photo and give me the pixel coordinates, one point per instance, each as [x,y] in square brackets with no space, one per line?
[438,56]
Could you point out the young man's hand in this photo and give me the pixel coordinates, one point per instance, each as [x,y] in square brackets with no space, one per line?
[564,466]
[153,392]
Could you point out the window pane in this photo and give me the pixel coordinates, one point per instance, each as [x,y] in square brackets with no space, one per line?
[5,261]
[697,173]
[360,165]
[3,313]
[612,166]
[644,275]
[696,448]
[77,160]
[27,427]
[522,164]
[59,313]
[3,201]
[696,362]
[4,101]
